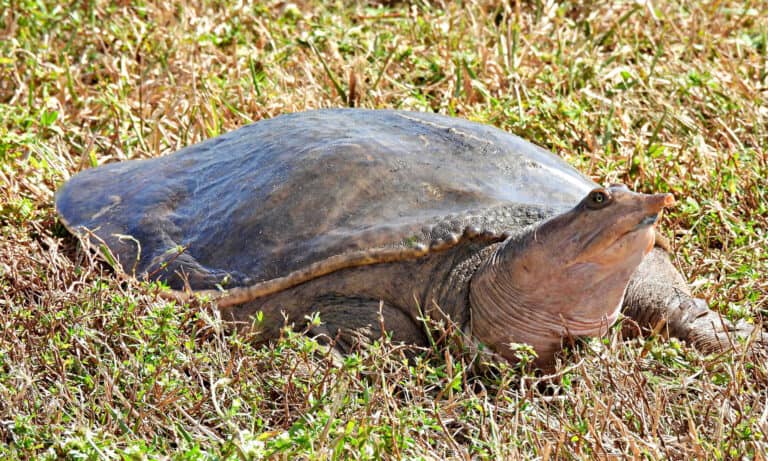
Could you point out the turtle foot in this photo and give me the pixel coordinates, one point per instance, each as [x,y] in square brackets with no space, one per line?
[710,332]
[658,300]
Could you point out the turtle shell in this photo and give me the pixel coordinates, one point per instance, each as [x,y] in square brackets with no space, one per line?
[281,194]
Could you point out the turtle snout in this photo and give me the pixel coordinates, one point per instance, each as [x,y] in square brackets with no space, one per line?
[654,205]
[657,202]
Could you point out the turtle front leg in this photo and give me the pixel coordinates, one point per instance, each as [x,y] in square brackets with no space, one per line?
[658,293]
[351,321]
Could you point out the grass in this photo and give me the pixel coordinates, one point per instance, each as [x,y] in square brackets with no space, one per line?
[662,96]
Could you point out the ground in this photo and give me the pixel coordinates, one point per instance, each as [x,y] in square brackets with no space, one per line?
[663,96]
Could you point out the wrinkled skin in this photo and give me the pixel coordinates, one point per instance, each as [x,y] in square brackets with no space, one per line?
[566,276]
[278,211]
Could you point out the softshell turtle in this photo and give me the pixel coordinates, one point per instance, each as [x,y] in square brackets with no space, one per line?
[381,217]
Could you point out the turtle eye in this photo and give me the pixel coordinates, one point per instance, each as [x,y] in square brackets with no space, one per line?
[598,198]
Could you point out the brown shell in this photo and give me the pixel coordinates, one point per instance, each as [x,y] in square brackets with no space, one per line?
[286,194]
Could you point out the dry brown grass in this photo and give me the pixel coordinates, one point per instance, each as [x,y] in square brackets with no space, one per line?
[660,95]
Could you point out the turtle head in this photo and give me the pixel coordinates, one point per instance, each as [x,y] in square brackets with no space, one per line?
[610,228]
[566,276]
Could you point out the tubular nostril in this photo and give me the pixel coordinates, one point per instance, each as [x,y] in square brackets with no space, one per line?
[658,202]
[669,200]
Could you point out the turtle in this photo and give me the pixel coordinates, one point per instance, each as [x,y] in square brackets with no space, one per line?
[375,220]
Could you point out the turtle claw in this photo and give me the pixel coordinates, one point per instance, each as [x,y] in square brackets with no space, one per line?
[699,307]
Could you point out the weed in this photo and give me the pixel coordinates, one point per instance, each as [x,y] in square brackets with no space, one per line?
[662,96]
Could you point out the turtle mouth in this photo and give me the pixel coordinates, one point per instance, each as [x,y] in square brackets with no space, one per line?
[593,244]
[647,221]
